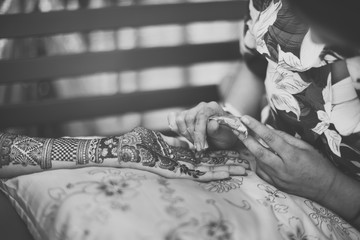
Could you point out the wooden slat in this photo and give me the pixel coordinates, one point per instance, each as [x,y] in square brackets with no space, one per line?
[20,25]
[53,111]
[70,65]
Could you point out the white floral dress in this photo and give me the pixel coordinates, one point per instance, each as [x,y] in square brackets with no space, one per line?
[304,98]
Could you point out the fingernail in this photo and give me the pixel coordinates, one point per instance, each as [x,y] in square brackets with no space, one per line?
[237,133]
[198,148]
[240,135]
[245,120]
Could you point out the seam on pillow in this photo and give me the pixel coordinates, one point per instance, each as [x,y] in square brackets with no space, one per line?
[31,224]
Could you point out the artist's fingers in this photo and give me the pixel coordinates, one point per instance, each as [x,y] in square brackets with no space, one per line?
[212,128]
[175,141]
[200,127]
[269,136]
[190,118]
[263,175]
[259,151]
[172,122]
[292,140]
[201,124]
[181,124]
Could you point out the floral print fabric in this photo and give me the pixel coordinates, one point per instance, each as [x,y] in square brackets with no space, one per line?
[305,99]
[109,203]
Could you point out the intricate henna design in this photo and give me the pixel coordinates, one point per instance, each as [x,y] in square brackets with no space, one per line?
[150,149]
[16,149]
[145,147]
[107,148]
[5,149]
[219,157]
[140,145]
[24,150]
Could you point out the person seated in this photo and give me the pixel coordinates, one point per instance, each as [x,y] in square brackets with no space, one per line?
[308,143]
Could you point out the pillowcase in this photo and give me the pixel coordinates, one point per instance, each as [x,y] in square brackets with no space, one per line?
[117,203]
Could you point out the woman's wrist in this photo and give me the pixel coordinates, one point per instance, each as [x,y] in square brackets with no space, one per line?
[343,197]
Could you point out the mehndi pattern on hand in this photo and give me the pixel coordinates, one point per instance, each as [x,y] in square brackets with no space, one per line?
[140,148]
[147,147]
[150,149]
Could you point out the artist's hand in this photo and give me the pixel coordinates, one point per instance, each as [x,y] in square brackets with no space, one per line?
[195,126]
[289,163]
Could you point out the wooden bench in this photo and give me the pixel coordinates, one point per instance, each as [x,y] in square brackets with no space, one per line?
[85,20]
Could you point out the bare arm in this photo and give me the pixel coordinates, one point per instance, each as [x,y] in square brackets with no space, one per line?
[246,92]
[343,198]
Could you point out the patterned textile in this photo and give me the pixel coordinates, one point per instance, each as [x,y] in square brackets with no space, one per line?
[109,203]
[306,96]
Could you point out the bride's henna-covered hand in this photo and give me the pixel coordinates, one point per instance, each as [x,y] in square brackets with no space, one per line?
[140,149]
[151,150]
[222,157]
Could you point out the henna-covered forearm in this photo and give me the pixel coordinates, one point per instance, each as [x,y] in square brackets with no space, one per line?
[18,151]
[140,148]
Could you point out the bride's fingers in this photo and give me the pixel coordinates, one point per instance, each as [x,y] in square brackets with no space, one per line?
[172,122]
[234,170]
[222,157]
[231,162]
[231,169]
[238,162]
[210,176]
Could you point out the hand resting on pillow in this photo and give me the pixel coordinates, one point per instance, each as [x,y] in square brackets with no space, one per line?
[139,149]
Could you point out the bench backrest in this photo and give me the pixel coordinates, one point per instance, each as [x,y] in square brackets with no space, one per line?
[86,20]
